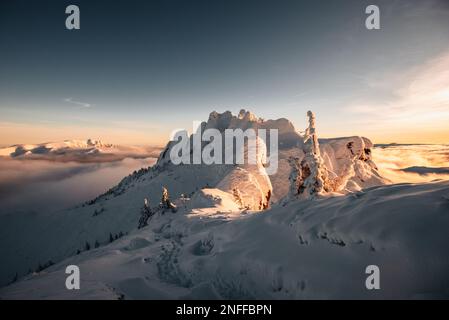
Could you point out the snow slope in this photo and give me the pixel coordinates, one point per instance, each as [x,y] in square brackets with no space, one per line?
[306,249]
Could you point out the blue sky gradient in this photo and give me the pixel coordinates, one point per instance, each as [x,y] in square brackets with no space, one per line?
[139,69]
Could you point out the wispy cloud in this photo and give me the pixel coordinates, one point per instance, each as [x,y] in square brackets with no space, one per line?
[417,96]
[78,103]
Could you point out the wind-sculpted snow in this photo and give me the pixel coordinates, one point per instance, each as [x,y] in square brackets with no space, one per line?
[302,250]
[349,161]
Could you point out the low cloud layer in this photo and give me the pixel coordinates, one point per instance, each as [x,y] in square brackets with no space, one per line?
[413,163]
[42,185]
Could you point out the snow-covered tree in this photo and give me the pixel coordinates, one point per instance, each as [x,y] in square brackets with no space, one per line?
[310,137]
[317,180]
[165,201]
[145,214]
[309,177]
[165,198]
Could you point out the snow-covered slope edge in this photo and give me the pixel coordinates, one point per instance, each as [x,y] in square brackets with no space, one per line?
[305,249]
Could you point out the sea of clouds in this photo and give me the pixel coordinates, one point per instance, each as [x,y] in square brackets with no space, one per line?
[36,185]
[412,163]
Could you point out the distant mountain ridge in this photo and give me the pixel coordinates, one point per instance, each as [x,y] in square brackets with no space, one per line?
[76,150]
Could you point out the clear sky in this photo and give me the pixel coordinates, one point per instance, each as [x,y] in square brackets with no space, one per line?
[139,69]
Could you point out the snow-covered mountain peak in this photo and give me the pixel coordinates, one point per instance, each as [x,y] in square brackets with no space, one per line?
[247,119]
[53,147]
[247,116]
[227,120]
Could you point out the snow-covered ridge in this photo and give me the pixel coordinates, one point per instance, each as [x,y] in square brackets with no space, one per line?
[212,192]
[54,147]
[73,150]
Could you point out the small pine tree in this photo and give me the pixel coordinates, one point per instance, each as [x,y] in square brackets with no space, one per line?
[165,201]
[97,244]
[78,252]
[145,214]
[87,246]
[111,238]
